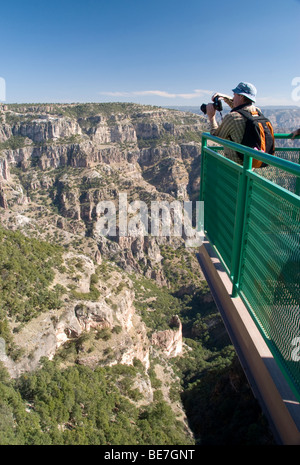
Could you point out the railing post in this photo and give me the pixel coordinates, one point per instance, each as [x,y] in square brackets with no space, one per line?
[297,188]
[203,146]
[242,205]
[239,224]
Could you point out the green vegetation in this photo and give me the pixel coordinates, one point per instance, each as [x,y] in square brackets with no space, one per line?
[191,136]
[181,268]
[215,393]
[26,272]
[156,305]
[79,406]
[88,110]
[220,404]
[71,140]
[93,293]
[166,139]
[65,403]
[13,143]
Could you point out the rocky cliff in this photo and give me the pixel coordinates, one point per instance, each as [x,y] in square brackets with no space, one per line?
[129,302]
[67,159]
[58,165]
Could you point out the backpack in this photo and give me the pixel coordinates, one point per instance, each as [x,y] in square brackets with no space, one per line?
[258,134]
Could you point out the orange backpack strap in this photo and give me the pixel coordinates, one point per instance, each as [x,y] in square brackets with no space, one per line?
[258,134]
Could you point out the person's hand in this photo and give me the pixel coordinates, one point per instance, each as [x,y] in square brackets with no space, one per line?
[296,133]
[220,96]
[210,110]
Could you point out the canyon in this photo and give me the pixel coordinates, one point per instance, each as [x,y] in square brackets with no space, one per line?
[124,299]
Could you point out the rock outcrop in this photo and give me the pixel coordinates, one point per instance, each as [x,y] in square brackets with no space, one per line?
[57,163]
[3,201]
[45,334]
[170,340]
[4,169]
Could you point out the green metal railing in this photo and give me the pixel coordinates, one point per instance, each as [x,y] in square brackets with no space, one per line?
[252,219]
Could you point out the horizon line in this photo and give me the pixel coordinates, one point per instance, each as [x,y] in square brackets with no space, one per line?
[93,102]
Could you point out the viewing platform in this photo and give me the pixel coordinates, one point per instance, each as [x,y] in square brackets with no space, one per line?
[251,259]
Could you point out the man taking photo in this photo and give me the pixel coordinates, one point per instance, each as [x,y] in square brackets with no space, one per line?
[244,125]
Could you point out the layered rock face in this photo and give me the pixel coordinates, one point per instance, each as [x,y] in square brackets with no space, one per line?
[170,340]
[76,157]
[57,141]
[45,334]
[58,163]
[62,168]
[4,169]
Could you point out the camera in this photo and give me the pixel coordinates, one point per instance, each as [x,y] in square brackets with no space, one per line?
[217,104]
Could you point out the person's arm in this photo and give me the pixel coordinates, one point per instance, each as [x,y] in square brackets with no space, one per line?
[226,98]
[231,128]
[296,133]
[211,114]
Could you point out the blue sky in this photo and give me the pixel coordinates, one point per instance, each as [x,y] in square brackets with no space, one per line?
[165,52]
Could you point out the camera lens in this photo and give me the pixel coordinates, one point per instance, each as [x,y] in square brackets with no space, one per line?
[203,108]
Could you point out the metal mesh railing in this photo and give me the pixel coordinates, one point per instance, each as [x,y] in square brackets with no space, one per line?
[221,192]
[253,222]
[270,269]
[279,176]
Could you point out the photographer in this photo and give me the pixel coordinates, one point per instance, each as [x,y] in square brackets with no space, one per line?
[234,124]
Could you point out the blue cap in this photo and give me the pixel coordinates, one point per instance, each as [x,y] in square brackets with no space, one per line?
[246,89]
